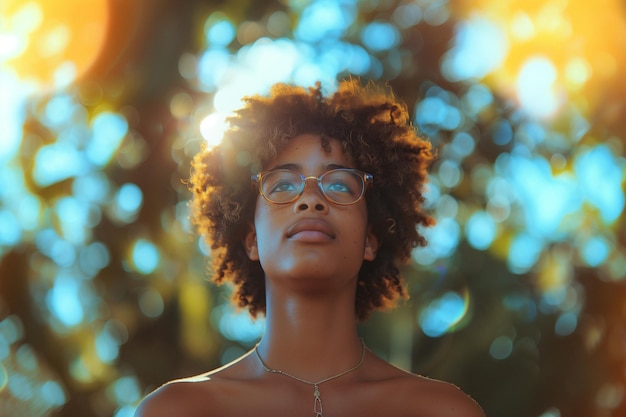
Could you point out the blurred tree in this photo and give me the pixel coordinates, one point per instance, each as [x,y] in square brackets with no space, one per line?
[104,297]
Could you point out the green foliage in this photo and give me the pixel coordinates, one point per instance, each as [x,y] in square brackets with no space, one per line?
[518,299]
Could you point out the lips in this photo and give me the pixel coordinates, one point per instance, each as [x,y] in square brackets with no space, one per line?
[310,229]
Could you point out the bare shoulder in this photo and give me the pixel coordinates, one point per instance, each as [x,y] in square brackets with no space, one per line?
[195,396]
[442,399]
[179,397]
[419,396]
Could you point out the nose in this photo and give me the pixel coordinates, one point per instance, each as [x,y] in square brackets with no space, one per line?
[311,198]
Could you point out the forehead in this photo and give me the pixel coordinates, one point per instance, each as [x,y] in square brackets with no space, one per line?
[308,150]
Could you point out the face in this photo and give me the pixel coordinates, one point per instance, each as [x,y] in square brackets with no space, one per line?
[311,238]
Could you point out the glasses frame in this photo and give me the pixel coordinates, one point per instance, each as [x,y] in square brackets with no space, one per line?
[365,177]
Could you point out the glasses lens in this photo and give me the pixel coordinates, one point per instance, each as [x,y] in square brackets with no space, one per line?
[343,186]
[281,186]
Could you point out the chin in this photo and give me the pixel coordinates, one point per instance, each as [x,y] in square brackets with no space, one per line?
[311,272]
[311,285]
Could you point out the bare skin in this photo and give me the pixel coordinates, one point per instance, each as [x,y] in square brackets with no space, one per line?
[311,274]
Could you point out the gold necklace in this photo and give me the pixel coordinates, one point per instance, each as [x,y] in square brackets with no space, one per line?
[317,401]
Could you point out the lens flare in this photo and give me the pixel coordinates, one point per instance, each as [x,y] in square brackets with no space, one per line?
[52,43]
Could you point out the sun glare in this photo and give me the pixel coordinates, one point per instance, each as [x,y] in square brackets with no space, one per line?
[52,43]
[212,128]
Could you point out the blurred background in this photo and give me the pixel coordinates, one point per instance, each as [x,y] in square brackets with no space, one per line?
[520,297]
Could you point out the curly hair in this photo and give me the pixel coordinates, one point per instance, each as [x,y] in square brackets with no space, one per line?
[375,131]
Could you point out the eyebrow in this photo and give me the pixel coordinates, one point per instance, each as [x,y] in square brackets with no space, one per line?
[297,167]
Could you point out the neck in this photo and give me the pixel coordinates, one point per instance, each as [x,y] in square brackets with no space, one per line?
[314,382]
[312,337]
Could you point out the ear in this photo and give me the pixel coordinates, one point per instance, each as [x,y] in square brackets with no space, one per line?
[250,244]
[371,245]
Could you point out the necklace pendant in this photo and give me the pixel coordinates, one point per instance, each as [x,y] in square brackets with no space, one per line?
[317,402]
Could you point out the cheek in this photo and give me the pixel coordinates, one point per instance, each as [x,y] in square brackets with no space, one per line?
[260,212]
[266,226]
[358,219]
[355,226]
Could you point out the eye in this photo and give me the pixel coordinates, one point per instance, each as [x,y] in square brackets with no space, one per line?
[281,182]
[342,182]
[339,186]
[282,186]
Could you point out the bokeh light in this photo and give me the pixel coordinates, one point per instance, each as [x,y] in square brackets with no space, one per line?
[51,44]
[103,106]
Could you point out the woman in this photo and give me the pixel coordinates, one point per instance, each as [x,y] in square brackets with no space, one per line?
[310,204]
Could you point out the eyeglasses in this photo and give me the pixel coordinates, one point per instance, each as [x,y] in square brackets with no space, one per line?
[342,186]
